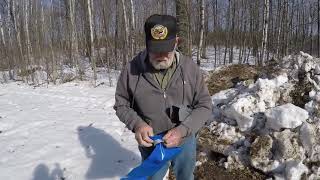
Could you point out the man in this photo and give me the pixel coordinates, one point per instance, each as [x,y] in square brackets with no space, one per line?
[163,91]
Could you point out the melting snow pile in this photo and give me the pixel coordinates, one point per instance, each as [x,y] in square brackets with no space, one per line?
[261,125]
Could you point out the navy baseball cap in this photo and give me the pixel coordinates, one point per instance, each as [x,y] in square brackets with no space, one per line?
[161,32]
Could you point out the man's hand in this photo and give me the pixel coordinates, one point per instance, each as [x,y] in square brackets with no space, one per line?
[174,137]
[142,134]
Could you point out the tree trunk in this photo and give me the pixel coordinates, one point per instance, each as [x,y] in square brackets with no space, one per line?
[116,35]
[42,36]
[279,30]
[2,33]
[61,39]
[72,41]
[133,31]
[200,45]
[9,50]
[90,24]
[232,42]
[318,39]
[26,26]
[265,32]
[126,33]
[311,29]
[215,29]
[17,33]
[53,60]
[182,13]
[205,35]
[227,32]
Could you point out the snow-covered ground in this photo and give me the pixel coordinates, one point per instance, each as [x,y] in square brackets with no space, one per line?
[69,130]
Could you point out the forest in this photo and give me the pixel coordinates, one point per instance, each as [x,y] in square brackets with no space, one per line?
[49,34]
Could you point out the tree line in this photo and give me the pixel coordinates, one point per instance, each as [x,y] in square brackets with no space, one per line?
[50,34]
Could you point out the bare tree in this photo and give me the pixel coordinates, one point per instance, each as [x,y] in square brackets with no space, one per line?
[311,28]
[17,33]
[133,29]
[52,55]
[183,23]
[90,24]
[72,41]
[200,45]
[265,32]
[55,33]
[318,28]
[116,33]
[9,51]
[126,33]
[26,27]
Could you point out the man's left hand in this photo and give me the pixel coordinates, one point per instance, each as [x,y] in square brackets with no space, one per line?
[173,138]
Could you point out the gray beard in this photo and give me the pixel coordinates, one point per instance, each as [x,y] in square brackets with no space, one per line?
[162,65]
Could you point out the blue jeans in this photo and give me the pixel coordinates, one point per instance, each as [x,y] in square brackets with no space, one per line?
[183,164]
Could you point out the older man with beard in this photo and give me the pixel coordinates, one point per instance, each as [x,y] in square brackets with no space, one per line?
[163,91]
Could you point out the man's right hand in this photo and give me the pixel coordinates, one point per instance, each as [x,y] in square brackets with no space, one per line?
[142,134]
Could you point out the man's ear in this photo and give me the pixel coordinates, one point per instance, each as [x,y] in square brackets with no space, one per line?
[178,40]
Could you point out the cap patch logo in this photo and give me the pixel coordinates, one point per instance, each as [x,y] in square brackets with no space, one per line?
[159,32]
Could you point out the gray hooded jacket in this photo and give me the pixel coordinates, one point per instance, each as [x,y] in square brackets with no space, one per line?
[185,101]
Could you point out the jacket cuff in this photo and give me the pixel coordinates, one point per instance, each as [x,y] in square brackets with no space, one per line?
[185,131]
[138,124]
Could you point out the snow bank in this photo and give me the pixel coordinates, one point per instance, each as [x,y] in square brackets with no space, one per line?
[277,120]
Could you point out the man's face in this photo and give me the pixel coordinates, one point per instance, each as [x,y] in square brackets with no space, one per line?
[162,60]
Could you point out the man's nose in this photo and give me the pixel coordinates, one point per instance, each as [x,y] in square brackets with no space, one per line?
[162,54]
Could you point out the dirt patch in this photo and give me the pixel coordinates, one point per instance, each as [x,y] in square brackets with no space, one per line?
[229,76]
[211,171]
[300,94]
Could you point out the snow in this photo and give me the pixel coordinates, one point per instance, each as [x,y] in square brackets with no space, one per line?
[242,109]
[307,136]
[266,109]
[294,170]
[285,116]
[68,130]
[317,69]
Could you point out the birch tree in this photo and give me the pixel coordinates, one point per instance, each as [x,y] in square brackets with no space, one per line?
[265,32]
[133,31]
[26,28]
[89,9]
[126,33]
[200,45]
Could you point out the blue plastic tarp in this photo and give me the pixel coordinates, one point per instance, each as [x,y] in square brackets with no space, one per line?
[158,158]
